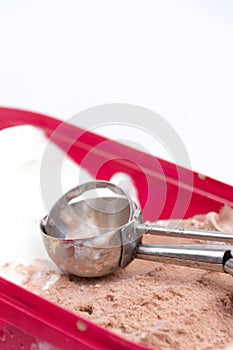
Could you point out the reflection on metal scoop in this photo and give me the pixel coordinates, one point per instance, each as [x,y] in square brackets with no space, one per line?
[96,235]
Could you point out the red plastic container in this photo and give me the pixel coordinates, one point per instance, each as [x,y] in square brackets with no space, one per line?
[30,322]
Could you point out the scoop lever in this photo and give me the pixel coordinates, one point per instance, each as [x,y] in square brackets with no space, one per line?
[207,257]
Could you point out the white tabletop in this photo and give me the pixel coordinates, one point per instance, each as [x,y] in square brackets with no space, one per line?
[174,57]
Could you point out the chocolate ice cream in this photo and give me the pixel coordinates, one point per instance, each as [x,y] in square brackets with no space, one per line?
[158,305]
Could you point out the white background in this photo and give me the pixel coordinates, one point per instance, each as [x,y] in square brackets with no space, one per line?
[174,57]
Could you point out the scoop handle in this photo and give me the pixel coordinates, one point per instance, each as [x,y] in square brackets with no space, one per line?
[216,258]
[185,233]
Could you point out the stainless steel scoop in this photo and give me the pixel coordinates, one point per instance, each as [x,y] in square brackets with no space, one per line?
[96,235]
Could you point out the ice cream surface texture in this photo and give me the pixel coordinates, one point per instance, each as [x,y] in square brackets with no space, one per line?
[158,305]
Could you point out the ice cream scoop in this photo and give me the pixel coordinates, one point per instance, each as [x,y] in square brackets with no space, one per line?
[93,235]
